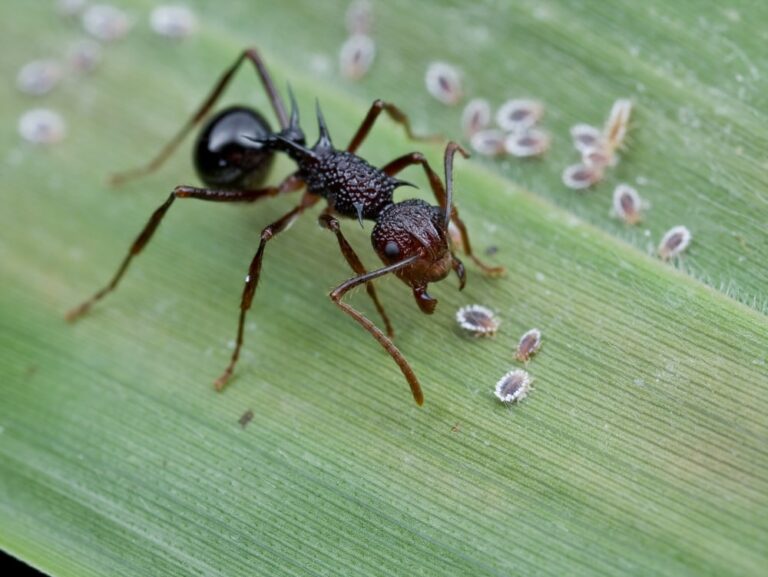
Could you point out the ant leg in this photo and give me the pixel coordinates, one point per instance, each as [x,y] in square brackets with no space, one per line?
[338,293]
[438,189]
[395,114]
[252,279]
[250,55]
[291,183]
[326,220]
[149,229]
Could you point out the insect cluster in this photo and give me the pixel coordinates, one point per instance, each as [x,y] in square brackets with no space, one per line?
[233,154]
[598,148]
[480,321]
[517,134]
[104,24]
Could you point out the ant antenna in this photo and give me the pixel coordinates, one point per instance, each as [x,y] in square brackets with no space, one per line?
[325,139]
[450,150]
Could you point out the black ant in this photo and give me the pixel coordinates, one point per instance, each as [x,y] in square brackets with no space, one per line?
[232,156]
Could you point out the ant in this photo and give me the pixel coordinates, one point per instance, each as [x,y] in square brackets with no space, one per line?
[232,156]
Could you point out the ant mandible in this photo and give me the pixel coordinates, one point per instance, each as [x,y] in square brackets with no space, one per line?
[232,156]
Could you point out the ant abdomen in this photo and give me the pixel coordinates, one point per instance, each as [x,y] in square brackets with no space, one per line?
[226,155]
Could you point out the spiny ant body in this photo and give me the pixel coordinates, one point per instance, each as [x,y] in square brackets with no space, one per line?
[232,156]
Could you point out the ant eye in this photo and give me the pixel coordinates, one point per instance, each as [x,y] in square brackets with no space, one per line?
[391,249]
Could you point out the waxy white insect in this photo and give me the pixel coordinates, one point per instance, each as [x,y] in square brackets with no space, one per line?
[519,114]
[106,23]
[173,21]
[39,77]
[480,321]
[529,345]
[42,126]
[617,124]
[598,148]
[85,56]
[586,137]
[627,204]
[529,143]
[443,81]
[359,17]
[356,56]
[581,176]
[674,242]
[513,386]
[476,116]
[489,142]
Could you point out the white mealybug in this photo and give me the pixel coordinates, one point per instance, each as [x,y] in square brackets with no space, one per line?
[173,21]
[514,386]
[529,345]
[598,148]
[489,142]
[674,242]
[520,114]
[39,77]
[627,204]
[598,157]
[359,17]
[105,22]
[444,83]
[477,320]
[42,126]
[618,121]
[580,176]
[476,116]
[85,56]
[586,137]
[356,56]
[529,143]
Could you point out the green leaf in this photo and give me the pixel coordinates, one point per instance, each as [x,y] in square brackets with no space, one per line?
[641,449]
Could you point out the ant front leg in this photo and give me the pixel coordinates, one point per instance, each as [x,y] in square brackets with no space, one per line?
[252,279]
[328,221]
[250,55]
[338,293]
[290,183]
[395,114]
[438,189]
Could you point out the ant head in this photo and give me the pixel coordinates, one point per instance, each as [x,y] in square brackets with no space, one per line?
[414,228]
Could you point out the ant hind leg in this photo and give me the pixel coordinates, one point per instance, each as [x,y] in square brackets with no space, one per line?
[290,183]
[254,273]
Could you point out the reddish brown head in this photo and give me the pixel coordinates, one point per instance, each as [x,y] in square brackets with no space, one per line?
[414,228]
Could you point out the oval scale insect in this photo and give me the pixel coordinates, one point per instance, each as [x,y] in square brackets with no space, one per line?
[232,157]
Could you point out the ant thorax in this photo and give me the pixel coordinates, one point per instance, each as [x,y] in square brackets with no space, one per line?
[353,187]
